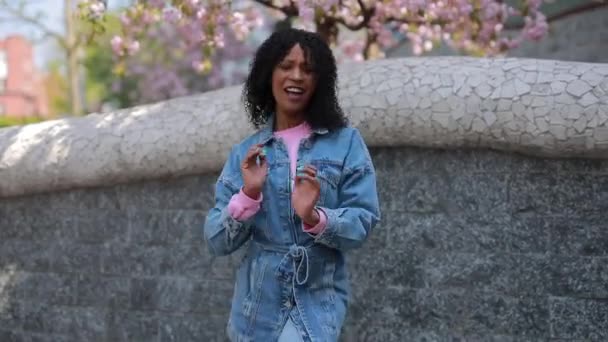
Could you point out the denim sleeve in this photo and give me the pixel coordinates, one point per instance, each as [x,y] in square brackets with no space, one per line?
[222,232]
[349,225]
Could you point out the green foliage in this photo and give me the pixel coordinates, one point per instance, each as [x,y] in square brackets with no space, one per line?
[56,86]
[7,121]
[99,63]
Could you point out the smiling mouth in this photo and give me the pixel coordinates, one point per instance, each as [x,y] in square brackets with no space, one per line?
[294,91]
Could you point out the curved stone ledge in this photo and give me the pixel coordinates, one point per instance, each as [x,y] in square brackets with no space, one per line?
[539,107]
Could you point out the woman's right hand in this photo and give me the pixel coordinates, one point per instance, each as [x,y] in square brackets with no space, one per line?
[254,174]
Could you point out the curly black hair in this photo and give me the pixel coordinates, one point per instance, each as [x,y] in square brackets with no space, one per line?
[323,111]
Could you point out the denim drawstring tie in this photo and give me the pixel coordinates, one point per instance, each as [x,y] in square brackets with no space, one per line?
[301,253]
[299,259]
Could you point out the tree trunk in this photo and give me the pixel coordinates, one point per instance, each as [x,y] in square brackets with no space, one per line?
[328,30]
[370,40]
[72,56]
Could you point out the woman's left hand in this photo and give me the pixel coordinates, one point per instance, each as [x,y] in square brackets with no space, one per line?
[306,194]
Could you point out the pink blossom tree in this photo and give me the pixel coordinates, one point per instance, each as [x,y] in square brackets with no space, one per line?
[164,67]
[198,31]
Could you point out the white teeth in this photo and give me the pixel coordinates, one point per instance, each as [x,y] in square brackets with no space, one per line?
[294,90]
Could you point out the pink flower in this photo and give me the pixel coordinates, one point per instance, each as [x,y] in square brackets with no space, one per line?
[97,9]
[133,47]
[117,46]
[171,14]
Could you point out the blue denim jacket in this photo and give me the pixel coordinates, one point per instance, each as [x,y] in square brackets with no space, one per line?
[285,271]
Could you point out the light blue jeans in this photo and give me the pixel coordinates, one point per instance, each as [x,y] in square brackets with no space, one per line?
[290,333]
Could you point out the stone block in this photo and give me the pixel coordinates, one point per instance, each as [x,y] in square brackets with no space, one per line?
[34,317]
[523,235]
[11,336]
[101,198]
[15,224]
[400,267]
[472,313]
[581,277]
[479,197]
[209,297]
[47,337]
[176,328]
[601,194]
[101,291]
[149,228]
[11,317]
[578,195]
[191,260]
[189,193]
[45,288]
[80,258]
[475,161]
[579,319]
[174,294]
[143,293]
[534,194]
[140,195]
[100,226]
[575,166]
[33,256]
[420,193]
[186,226]
[515,274]
[131,261]
[127,326]
[80,323]
[576,235]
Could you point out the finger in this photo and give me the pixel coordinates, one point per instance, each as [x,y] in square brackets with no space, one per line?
[308,169]
[252,154]
[262,159]
[308,178]
[309,172]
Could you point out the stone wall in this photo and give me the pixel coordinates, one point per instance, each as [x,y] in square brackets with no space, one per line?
[493,180]
[539,107]
[474,244]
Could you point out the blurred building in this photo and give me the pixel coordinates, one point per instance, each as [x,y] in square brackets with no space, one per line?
[21,85]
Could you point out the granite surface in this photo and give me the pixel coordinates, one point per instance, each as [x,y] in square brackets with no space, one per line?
[474,245]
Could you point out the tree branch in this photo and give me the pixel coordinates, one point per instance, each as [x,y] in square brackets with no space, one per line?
[574,10]
[370,38]
[290,11]
[367,15]
[20,15]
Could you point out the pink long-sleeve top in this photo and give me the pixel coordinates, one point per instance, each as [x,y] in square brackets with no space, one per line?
[242,207]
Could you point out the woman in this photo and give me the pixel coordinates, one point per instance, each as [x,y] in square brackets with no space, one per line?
[302,189]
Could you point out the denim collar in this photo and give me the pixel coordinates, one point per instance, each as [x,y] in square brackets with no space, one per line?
[266,132]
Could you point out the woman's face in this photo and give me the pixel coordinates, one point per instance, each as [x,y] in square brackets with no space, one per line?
[293,83]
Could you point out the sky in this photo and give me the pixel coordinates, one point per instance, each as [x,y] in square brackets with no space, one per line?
[52,14]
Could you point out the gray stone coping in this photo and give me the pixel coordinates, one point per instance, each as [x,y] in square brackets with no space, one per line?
[538,107]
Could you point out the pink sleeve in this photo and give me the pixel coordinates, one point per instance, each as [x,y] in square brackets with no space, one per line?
[242,207]
[315,230]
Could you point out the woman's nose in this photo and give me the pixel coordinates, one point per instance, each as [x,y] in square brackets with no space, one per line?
[296,74]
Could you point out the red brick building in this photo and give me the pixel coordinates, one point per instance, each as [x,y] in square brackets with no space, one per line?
[21,85]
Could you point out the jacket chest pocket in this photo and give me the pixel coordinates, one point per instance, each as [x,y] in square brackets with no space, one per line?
[328,174]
